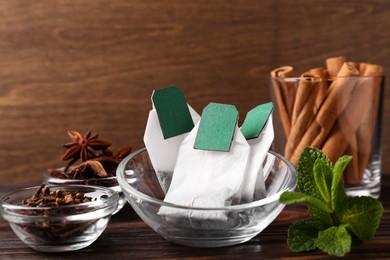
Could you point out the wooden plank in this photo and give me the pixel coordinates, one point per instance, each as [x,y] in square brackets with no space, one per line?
[93,64]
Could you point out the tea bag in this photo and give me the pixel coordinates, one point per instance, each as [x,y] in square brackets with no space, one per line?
[259,132]
[210,168]
[169,122]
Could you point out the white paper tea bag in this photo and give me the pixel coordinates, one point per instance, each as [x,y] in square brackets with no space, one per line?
[169,122]
[258,130]
[210,168]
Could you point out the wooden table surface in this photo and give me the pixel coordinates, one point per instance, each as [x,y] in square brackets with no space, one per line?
[128,237]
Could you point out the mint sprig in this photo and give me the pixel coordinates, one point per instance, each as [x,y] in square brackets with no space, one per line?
[336,217]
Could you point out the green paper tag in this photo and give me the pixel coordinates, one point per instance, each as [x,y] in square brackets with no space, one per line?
[255,120]
[172,111]
[216,128]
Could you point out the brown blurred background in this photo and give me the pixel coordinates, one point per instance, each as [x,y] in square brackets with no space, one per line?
[92,65]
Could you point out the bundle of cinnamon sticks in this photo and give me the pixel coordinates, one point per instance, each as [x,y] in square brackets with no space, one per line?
[333,108]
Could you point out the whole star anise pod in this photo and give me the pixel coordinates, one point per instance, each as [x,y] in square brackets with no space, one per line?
[84,148]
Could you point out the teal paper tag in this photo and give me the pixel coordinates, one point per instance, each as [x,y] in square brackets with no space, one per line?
[255,120]
[216,127]
[172,111]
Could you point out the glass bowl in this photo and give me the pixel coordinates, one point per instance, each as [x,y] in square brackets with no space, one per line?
[241,222]
[59,228]
[108,182]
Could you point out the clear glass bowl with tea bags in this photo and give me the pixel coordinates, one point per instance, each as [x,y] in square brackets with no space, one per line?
[203,227]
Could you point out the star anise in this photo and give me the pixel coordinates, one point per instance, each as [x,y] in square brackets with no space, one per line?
[89,169]
[84,148]
[97,158]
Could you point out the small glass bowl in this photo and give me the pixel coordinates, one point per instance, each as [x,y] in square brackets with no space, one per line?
[60,228]
[108,182]
[139,183]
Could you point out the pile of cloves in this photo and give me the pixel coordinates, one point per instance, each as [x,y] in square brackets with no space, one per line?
[54,199]
[44,197]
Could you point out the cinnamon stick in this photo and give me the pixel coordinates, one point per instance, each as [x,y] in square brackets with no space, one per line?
[355,64]
[284,95]
[351,175]
[304,93]
[323,74]
[303,111]
[365,131]
[289,88]
[334,65]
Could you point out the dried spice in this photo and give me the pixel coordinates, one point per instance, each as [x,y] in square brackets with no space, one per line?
[55,200]
[85,148]
[95,155]
[44,197]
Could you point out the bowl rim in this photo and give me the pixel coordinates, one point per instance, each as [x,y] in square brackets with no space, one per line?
[290,186]
[291,79]
[112,199]
[63,180]
[46,178]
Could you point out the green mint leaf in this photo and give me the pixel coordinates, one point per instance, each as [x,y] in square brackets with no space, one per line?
[335,241]
[363,216]
[291,197]
[307,183]
[323,178]
[339,197]
[339,168]
[320,215]
[302,235]
[339,201]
